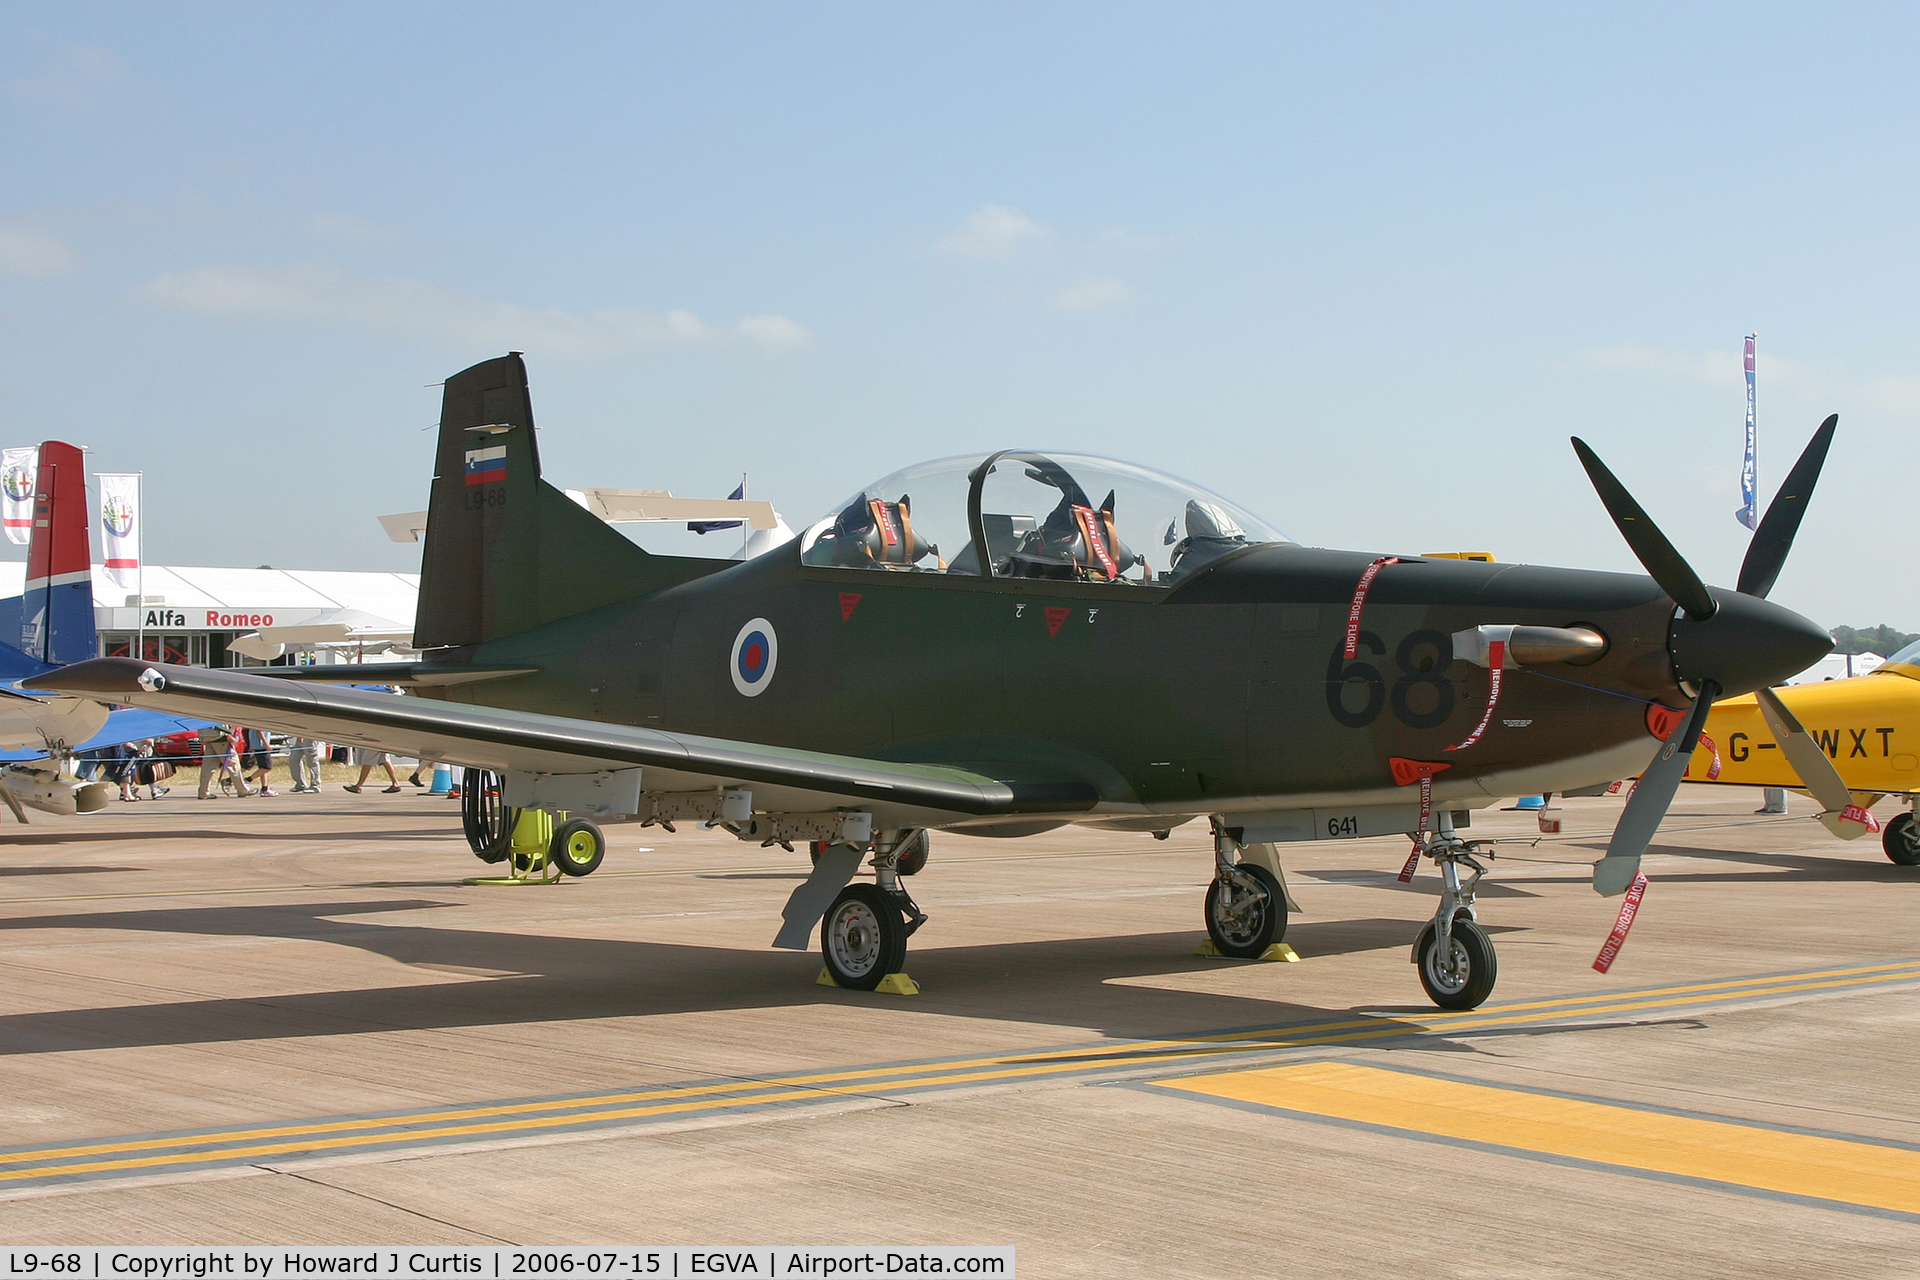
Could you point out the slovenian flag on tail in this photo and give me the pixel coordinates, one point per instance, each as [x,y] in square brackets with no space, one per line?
[487,466]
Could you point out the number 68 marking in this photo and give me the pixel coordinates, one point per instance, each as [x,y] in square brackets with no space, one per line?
[1423,658]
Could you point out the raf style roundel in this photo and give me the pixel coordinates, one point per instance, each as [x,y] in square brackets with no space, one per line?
[755,651]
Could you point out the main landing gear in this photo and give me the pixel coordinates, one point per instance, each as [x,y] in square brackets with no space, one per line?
[1454,954]
[1900,838]
[863,937]
[1246,905]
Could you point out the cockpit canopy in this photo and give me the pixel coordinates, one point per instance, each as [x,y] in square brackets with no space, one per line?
[1065,516]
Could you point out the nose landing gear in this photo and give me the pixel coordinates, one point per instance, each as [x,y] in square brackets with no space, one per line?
[1454,954]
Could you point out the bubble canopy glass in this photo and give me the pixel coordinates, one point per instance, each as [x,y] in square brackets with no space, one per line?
[1065,516]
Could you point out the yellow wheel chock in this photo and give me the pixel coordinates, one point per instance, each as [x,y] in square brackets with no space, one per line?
[1278,951]
[894,984]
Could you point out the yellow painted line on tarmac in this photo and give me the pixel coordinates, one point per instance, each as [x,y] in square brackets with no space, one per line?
[316,1144]
[723,1096]
[1727,1151]
[1081,1058]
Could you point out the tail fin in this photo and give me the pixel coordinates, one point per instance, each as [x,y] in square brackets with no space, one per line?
[506,550]
[56,609]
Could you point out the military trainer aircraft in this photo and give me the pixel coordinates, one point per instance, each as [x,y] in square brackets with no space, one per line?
[1004,644]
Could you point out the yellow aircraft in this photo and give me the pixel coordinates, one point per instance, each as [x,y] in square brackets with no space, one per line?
[1847,743]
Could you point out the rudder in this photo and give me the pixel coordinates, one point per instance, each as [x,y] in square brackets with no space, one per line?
[56,606]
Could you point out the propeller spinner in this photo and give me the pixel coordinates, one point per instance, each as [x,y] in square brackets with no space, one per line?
[1720,641]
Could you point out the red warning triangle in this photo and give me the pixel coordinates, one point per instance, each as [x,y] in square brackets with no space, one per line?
[1055,616]
[849,601]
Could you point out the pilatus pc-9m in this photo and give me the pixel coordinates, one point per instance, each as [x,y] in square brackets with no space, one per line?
[1006,644]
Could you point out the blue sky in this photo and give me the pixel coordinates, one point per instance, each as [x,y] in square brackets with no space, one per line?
[1362,268]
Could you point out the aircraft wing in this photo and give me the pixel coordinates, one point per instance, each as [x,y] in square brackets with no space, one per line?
[501,739]
[125,725]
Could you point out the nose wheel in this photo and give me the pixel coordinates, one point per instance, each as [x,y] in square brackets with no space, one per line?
[1453,953]
[1458,974]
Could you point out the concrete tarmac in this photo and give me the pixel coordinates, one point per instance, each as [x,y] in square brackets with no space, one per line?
[286,1021]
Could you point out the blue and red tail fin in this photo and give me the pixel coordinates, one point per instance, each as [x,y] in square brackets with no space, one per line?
[56,609]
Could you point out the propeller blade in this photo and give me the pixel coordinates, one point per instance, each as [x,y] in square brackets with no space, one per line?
[1648,803]
[1774,538]
[1662,563]
[1811,763]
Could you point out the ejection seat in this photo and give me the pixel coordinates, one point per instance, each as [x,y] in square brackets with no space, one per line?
[873,534]
[1075,542]
[1211,533]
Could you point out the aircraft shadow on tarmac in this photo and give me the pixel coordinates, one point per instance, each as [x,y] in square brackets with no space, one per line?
[1867,868]
[80,835]
[1422,884]
[1077,983]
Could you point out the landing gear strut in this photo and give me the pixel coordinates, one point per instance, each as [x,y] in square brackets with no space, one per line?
[1454,954]
[863,936]
[1246,906]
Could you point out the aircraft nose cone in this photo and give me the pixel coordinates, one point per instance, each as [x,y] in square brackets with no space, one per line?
[1748,644]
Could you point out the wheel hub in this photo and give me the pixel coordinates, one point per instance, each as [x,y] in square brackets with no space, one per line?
[1450,972]
[1240,910]
[856,938]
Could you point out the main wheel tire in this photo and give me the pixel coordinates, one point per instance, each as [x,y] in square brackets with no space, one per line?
[1468,981]
[863,937]
[1900,838]
[1246,924]
[486,820]
[913,855]
[578,847]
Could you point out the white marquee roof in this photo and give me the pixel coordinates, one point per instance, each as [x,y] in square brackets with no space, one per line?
[384,595]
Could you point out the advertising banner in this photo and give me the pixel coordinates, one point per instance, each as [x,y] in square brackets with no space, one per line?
[16,492]
[120,528]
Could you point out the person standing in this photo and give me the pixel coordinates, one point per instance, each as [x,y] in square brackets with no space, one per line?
[216,760]
[121,769]
[303,762]
[367,758]
[257,759]
[149,769]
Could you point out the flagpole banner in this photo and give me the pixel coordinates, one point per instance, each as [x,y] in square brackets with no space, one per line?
[1749,473]
[709,526]
[17,467]
[120,528]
